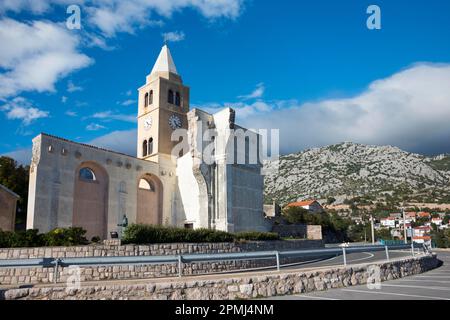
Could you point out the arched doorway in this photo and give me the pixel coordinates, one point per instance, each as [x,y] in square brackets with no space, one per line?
[149,200]
[90,204]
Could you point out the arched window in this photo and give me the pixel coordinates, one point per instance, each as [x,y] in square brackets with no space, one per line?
[87,174]
[144,149]
[177,99]
[150,98]
[146,100]
[144,184]
[150,146]
[170,97]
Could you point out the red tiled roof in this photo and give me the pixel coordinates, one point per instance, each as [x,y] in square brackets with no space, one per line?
[424,214]
[301,203]
[422,238]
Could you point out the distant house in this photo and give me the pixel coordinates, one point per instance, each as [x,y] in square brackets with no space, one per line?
[388,222]
[424,215]
[436,221]
[421,231]
[8,205]
[422,239]
[310,205]
[411,216]
[357,220]
[396,215]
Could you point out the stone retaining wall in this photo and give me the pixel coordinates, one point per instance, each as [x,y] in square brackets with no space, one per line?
[236,287]
[311,232]
[21,276]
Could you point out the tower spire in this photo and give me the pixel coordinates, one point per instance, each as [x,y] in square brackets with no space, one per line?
[164,63]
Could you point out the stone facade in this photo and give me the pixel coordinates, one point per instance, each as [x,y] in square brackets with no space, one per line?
[223,192]
[12,276]
[235,287]
[54,193]
[8,205]
[73,184]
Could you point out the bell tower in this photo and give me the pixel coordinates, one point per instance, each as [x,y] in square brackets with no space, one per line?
[163,105]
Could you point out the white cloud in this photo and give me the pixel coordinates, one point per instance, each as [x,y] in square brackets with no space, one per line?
[113,16]
[34,56]
[120,141]
[175,36]
[71,87]
[257,93]
[71,113]
[110,115]
[128,102]
[64,99]
[22,156]
[410,109]
[94,127]
[34,6]
[21,109]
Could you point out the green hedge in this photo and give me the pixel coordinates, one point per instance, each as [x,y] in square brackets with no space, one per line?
[256,236]
[140,234]
[32,238]
[135,234]
[143,234]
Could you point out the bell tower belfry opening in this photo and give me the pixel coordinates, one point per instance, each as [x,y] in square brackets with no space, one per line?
[163,105]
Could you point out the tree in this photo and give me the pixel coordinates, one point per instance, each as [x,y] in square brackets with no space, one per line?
[295,215]
[331,200]
[15,177]
[384,234]
[446,219]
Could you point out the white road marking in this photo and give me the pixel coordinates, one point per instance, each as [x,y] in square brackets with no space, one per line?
[424,280]
[416,287]
[396,294]
[314,297]
[370,256]
[438,277]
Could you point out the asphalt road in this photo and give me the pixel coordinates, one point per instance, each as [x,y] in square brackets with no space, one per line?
[432,285]
[352,258]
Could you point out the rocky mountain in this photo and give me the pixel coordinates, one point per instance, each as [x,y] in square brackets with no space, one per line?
[349,169]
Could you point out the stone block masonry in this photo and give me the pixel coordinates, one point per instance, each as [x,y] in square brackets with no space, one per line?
[22,276]
[229,288]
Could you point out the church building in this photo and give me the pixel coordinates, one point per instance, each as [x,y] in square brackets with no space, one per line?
[74,184]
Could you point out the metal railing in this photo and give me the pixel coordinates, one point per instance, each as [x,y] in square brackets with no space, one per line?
[56,263]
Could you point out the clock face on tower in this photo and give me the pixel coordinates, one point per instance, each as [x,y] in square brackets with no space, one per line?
[147,123]
[175,122]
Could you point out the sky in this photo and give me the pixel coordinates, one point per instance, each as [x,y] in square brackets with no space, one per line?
[312,69]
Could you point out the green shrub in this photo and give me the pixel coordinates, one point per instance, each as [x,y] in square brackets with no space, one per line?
[28,238]
[95,239]
[257,236]
[32,238]
[140,234]
[65,237]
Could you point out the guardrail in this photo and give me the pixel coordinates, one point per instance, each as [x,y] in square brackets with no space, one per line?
[191,258]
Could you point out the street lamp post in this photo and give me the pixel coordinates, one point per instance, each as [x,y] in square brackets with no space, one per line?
[404,226]
[373,231]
